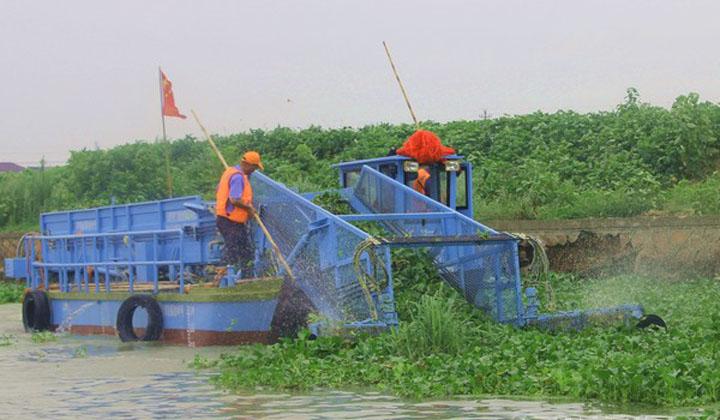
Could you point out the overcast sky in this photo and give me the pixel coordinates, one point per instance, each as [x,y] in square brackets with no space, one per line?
[81,74]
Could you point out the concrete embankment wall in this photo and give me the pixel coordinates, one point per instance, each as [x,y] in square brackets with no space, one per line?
[657,246]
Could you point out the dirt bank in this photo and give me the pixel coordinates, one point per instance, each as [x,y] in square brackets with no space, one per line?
[660,246]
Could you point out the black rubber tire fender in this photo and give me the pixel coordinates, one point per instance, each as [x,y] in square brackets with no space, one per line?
[124,323]
[650,320]
[36,311]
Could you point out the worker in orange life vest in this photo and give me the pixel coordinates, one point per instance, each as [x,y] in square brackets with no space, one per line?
[421,182]
[233,209]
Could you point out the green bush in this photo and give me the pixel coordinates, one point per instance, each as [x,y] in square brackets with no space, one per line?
[617,163]
[11,292]
[701,197]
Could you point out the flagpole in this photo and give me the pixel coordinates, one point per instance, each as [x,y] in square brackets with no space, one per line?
[162,104]
[166,146]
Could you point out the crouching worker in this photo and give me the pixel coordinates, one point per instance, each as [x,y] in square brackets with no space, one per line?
[422,182]
[234,209]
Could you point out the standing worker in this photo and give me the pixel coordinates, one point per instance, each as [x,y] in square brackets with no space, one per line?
[234,208]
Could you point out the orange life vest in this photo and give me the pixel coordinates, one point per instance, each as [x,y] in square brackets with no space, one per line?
[421,180]
[222,197]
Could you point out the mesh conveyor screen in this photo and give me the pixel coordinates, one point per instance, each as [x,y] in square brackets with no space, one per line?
[319,247]
[487,275]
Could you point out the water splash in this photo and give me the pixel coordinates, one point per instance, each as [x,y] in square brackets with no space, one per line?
[190,330]
[67,322]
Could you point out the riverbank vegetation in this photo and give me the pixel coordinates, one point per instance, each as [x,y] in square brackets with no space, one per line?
[446,348]
[11,291]
[635,159]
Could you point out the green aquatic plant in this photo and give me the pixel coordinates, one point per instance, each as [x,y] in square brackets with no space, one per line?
[333,202]
[80,352]
[7,340]
[677,367]
[201,362]
[40,337]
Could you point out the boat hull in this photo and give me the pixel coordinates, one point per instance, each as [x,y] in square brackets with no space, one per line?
[199,318]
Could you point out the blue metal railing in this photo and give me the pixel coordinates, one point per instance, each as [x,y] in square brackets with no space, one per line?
[106,254]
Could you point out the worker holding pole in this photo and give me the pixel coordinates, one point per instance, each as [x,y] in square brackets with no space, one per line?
[233,209]
[251,158]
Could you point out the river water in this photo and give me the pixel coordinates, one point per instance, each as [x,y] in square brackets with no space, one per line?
[92,377]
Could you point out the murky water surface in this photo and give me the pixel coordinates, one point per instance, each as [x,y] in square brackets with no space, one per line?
[73,377]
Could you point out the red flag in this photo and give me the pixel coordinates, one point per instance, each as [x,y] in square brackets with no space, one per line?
[169,109]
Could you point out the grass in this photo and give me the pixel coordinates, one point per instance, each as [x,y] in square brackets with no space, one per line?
[11,292]
[19,228]
[437,328]
[445,348]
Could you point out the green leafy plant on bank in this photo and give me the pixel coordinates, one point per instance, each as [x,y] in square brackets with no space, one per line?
[11,292]
[627,161]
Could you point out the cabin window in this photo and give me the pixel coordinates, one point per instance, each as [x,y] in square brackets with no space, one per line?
[410,178]
[444,185]
[350,178]
[389,169]
[461,197]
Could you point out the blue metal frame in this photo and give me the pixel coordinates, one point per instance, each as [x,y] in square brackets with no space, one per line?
[446,214]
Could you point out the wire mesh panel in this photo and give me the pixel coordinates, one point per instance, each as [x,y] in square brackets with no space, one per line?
[318,246]
[486,274]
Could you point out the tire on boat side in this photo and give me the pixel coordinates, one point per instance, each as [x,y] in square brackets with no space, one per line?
[36,311]
[124,323]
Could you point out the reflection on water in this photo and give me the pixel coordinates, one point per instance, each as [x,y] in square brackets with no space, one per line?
[75,377]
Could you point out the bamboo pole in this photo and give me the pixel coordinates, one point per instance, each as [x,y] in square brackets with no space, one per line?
[259,221]
[402,88]
[209,139]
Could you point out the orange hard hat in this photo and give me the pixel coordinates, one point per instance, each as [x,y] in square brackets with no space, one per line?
[253,158]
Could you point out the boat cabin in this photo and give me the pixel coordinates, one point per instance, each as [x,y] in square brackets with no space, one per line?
[450,182]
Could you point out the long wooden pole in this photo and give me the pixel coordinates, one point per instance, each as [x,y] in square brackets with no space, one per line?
[209,139]
[259,221]
[402,88]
